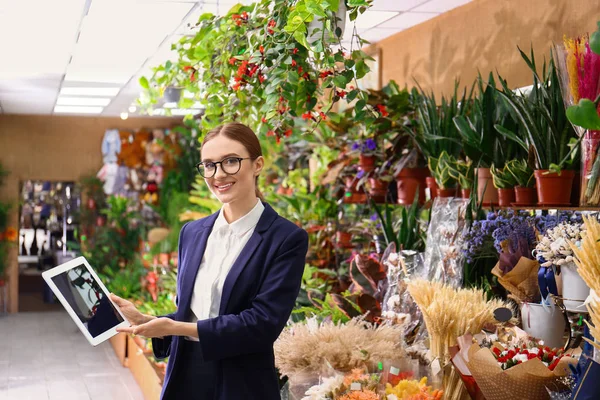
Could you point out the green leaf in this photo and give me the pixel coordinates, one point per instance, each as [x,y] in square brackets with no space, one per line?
[360,105]
[144,83]
[595,40]
[186,102]
[584,115]
[340,81]
[361,69]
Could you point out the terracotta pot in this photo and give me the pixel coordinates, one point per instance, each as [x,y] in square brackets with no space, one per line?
[506,197]
[554,189]
[378,189]
[343,239]
[525,196]
[486,191]
[408,182]
[576,191]
[366,163]
[351,183]
[432,186]
[466,193]
[446,192]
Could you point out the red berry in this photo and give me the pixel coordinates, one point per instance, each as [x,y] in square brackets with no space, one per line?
[261,49]
[294,63]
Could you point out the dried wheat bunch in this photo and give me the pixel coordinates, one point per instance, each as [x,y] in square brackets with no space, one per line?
[587,256]
[450,313]
[311,347]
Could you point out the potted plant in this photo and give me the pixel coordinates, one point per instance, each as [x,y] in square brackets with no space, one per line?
[523,176]
[546,132]
[444,171]
[436,131]
[482,143]
[463,173]
[8,235]
[505,183]
[259,64]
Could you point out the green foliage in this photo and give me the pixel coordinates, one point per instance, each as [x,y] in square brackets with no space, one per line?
[544,129]
[483,144]
[464,173]
[5,242]
[406,231]
[503,178]
[585,114]
[444,170]
[521,172]
[125,282]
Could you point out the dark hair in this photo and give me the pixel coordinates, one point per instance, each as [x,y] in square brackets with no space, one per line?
[240,133]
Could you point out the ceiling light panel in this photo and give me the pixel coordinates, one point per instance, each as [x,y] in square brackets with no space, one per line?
[77,110]
[89,91]
[83,101]
[118,36]
[440,6]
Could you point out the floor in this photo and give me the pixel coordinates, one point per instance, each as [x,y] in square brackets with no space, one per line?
[44,356]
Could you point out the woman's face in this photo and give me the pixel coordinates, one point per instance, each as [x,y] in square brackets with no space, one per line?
[230,188]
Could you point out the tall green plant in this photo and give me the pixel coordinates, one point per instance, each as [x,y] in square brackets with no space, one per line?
[482,142]
[405,232]
[544,128]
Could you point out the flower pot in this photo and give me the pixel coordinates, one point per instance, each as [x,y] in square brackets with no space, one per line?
[525,196]
[506,197]
[574,289]
[554,189]
[352,195]
[486,191]
[410,181]
[546,323]
[378,189]
[343,240]
[366,163]
[446,192]
[465,193]
[432,186]
[172,94]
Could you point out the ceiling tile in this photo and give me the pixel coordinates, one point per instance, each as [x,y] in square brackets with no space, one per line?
[440,5]
[406,20]
[376,34]
[395,5]
[28,103]
[369,19]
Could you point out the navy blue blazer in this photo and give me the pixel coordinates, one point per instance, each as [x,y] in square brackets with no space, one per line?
[258,297]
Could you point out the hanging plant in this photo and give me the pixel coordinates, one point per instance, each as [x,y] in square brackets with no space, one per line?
[260,65]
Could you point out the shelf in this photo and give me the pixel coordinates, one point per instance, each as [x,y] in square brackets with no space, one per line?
[28,259]
[559,208]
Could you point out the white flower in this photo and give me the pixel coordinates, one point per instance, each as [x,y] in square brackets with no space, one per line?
[520,357]
[392,397]
[325,389]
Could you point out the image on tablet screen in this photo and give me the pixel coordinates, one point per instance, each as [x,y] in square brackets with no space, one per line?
[87,299]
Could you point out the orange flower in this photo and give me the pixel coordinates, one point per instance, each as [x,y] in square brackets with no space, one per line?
[11,234]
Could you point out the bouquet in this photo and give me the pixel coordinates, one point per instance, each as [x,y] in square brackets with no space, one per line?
[356,385]
[412,389]
[554,248]
[513,356]
[579,72]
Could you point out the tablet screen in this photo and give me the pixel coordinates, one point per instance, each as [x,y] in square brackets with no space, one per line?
[87,299]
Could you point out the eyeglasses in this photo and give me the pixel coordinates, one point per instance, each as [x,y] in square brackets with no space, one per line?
[229,165]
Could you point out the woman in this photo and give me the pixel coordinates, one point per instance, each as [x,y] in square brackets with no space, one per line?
[239,275]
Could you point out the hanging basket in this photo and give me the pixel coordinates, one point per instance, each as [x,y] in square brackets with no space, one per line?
[172,94]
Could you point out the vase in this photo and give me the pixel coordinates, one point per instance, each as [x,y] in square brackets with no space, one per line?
[544,322]
[525,196]
[574,288]
[409,182]
[432,187]
[506,197]
[486,192]
[554,189]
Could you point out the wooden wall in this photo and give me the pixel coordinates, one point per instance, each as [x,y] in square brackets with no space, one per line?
[57,148]
[483,35]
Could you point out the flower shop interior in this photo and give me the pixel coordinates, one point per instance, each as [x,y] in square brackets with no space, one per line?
[442,155]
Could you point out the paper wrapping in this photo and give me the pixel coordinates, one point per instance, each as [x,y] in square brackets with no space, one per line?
[528,380]
[522,281]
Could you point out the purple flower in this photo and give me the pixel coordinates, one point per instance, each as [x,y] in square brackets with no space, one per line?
[360,174]
[374,217]
[371,145]
[355,146]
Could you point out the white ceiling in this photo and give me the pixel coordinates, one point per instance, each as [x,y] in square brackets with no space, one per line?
[86,56]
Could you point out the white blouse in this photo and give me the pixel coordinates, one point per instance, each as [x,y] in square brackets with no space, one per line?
[224,245]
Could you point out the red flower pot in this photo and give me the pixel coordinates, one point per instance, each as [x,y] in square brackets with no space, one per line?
[366,163]
[343,240]
[506,197]
[446,192]
[410,181]
[554,189]
[378,189]
[485,187]
[525,196]
[432,186]
[352,195]
[466,193]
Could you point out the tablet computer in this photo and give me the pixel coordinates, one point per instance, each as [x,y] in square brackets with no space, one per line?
[86,299]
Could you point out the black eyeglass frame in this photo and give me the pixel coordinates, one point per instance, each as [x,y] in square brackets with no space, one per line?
[220,163]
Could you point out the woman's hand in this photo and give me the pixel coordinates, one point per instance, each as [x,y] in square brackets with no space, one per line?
[156,328]
[129,311]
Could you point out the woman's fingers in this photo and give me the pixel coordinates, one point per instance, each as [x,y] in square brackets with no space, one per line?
[117,300]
